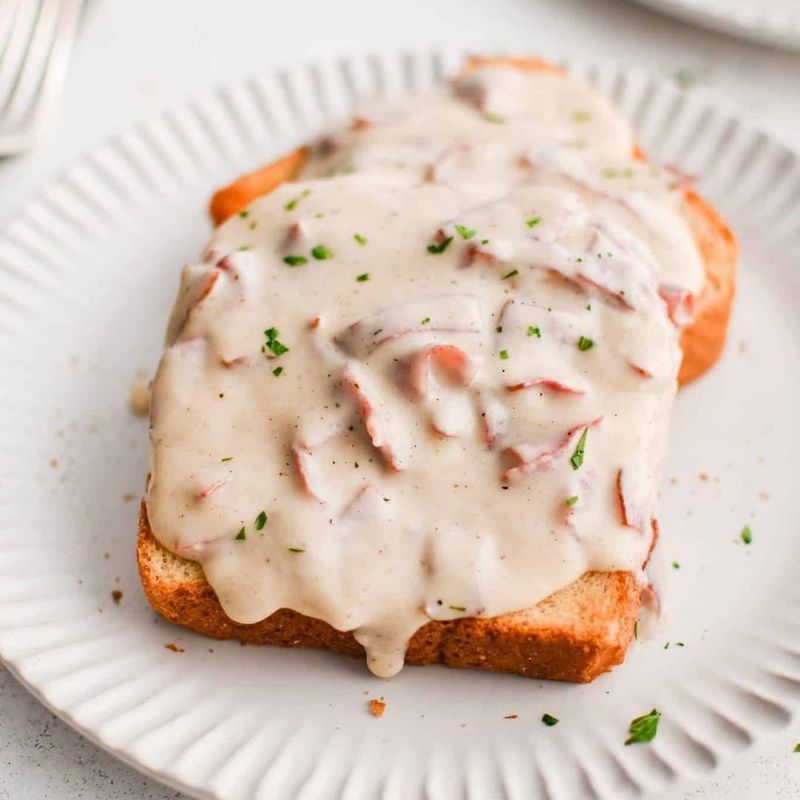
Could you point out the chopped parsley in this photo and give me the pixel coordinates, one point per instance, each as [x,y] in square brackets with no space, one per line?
[241,536]
[533,330]
[464,232]
[364,276]
[245,247]
[484,241]
[426,320]
[261,520]
[572,501]
[618,173]
[320,252]
[253,225]
[244,214]
[297,549]
[533,222]
[585,343]
[676,565]
[549,720]
[292,204]
[362,240]
[499,329]
[797,748]
[511,274]
[747,534]
[636,629]
[277,371]
[272,344]
[458,608]
[435,249]
[227,458]
[581,116]
[685,78]
[495,118]
[295,261]
[644,728]
[504,355]
[577,457]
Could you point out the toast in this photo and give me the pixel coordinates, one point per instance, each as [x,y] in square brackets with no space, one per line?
[575,634]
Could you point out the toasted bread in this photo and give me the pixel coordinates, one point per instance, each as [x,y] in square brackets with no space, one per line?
[574,634]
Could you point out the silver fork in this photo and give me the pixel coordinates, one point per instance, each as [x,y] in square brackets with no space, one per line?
[36,38]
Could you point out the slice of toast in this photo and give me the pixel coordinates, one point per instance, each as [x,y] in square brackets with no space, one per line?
[576,633]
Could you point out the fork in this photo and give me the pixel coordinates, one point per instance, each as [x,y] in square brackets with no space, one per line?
[36,38]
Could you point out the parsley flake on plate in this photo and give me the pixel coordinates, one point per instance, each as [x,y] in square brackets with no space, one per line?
[644,728]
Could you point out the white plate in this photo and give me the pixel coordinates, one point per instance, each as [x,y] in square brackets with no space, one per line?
[773,22]
[87,275]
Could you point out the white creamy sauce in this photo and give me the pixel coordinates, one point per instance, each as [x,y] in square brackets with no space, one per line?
[417,448]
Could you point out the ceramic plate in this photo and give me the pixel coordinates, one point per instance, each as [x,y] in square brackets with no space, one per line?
[87,275]
[773,22]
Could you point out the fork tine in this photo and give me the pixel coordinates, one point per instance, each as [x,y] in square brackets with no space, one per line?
[22,23]
[32,91]
[33,68]
[58,62]
[7,10]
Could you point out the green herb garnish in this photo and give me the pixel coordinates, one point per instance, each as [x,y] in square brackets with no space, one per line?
[292,204]
[364,276]
[675,565]
[426,320]
[261,520]
[297,549]
[549,720]
[465,232]
[511,274]
[504,355]
[435,249]
[571,501]
[241,536]
[244,214]
[585,343]
[618,173]
[362,240]
[533,222]
[534,331]
[321,253]
[295,261]
[581,116]
[577,457]
[245,247]
[636,629]
[272,344]
[747,534]
[797,748]
[644,728]
[458,608]
[277,371]
[227,458]
[495,118]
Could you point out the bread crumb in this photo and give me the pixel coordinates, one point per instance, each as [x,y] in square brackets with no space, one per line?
[376,707]
[510,716]
[54,463]
[764,495]
[175,649]
[139,397]
[126,498]
[116,596]
[703,476]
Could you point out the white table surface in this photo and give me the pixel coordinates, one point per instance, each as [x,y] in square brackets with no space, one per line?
[137,57]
